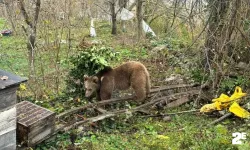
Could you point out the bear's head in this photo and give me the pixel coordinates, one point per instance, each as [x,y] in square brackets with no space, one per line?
[91,85]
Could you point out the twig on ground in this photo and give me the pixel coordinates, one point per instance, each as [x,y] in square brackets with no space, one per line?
[220,119]
[168,114]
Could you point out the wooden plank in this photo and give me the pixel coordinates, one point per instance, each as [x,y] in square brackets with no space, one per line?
[57,129]
[170,87]
[101,110]
[178,102]
[22,133]
[48,123]
[7,120]
[40,136]
[7,97]
[8,139]
[33,123]
[29,114]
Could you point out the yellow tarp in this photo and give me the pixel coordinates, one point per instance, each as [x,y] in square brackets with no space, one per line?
[225,101]
[238,111]
[208,108]
[237,94]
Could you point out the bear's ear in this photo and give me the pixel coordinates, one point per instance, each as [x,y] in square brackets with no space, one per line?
[85,77]
[95,79]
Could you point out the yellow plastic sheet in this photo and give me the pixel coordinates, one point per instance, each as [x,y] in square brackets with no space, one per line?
[208,108]
[220,105]
[237,94]
[222,98]
[225,101]
[238,111]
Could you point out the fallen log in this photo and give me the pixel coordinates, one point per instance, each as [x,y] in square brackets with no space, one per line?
[178,102]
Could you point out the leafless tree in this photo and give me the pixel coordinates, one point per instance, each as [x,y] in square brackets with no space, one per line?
[226,41]
[115,7]
[114,12]
[31,21]
[123,4]
[139,18]
[8,4]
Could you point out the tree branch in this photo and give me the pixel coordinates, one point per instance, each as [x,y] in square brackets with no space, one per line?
[243,35]
[220,119]
[122,6]
[132,6]
[25,15]
[37,10]
[168,114]
[103,9]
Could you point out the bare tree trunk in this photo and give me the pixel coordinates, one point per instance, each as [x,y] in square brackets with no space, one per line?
[139,18]
[123,4]
[113,17]
[222,24]
[218,10]
[132,6]
[175,9]
[9,14]
[31,31]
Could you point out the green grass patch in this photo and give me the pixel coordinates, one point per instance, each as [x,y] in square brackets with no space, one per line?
[13,56]
[3,24]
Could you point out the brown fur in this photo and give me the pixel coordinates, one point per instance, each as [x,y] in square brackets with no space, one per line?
[130,74]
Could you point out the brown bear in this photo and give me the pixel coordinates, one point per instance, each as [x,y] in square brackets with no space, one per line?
[130,74]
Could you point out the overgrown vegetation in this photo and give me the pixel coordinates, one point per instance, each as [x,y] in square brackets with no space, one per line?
[228,84]
[202,41]
[88,62]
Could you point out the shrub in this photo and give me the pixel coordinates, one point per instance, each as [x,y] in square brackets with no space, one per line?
[88,62]
[228,84]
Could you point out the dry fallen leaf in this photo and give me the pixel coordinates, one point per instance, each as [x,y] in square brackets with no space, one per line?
[4,78]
